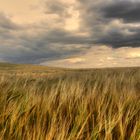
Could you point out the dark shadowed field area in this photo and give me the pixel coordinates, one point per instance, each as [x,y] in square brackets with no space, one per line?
[42,103]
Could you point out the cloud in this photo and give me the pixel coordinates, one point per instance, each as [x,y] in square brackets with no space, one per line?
[75,60]
[128,11]
[68,29]
[99,57]
[112,23]
[28,44]
[56,7]
[118,39]
[6,23]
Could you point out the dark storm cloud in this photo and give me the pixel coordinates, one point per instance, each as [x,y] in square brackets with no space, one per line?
[16,45]
[100,19]
[128,11]
[32,50]
[118,39]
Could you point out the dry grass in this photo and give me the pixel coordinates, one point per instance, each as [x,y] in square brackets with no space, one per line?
[73,105]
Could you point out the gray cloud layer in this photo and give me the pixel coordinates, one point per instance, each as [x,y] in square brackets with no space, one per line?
[128,11]
[113,23]
[116,24]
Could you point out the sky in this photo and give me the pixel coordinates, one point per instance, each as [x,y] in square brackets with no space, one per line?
[70,33]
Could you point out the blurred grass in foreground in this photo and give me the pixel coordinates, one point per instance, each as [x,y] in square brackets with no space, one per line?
[70,104]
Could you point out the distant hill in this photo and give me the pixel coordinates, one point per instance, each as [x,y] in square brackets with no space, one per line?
[9,67]
[27,68]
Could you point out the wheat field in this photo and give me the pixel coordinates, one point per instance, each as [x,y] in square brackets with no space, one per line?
[40,103]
